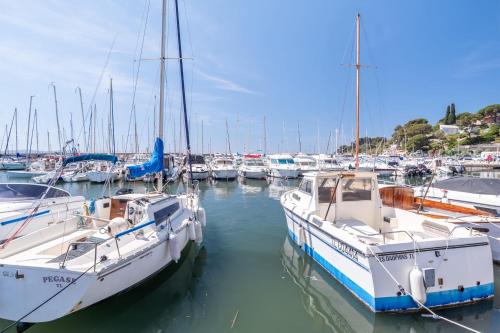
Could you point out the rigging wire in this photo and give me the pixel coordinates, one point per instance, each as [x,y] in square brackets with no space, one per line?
[147,5]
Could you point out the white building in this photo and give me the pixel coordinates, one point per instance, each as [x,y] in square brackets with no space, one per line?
[449,129]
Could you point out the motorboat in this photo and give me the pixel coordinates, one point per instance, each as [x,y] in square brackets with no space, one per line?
[403,197]
[283,166]
[467,191]
[103,172]
[41,205]
[223,168]
[252,167]
[199,168]
[327,163]
[389,258]
[305,163]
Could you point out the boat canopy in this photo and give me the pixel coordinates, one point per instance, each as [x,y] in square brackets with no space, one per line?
[90,157]
[474,185]
[22,192]
[155,164]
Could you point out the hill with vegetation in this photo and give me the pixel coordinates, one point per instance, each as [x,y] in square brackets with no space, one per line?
[444,137]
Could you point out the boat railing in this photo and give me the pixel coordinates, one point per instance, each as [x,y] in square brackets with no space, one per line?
[96,244]
[73,245]
[385,233]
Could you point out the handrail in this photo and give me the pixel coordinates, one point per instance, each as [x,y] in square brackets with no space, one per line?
[74,243]
[386,233]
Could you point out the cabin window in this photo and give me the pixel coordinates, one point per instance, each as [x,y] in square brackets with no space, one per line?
[306,186]
[326,190]
[356,189]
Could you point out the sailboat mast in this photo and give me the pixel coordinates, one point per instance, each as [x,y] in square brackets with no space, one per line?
[29,122]
[57,117]
[179,44]
[85,147]
[358,67]
[162,82]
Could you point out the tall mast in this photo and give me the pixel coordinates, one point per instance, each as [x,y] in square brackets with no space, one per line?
[112,117]
[57,117]
[186,125]
[358,69]
[83,120]
[265,136]
[162,82]
[298,133]
[15,117]
[202,137]
[29,122]
[36,126]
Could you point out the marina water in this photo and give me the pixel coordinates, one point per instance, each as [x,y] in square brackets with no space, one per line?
[249,278]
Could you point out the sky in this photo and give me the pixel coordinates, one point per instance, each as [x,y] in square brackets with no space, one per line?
[245,61]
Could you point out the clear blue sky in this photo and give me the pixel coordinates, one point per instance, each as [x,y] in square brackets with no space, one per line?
[279,59]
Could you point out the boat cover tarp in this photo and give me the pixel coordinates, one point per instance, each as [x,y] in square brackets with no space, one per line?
[471,185]
[89,157]
[155,164]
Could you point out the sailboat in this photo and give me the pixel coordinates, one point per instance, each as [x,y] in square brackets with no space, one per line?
[389,258]
[117,243]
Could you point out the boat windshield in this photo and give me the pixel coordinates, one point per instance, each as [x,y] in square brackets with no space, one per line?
[356,189]
[197,159]
[17,192]
[285,161]
[224,162]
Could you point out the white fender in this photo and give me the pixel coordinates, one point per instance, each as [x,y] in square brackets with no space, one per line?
[417,285]
[301,236]
[117,225]
[199,232]
[174,246]
[202,217]
[191,230]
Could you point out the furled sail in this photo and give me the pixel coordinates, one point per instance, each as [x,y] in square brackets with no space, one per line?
[155,164]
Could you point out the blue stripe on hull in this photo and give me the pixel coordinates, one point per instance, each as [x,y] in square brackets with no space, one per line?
[399,303]
[22,218]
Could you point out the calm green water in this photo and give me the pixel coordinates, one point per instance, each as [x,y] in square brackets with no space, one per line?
[249,278]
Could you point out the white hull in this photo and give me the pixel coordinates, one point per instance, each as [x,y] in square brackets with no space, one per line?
[284,173]
[101,176]
[252,174]
[197,175]
[224,174]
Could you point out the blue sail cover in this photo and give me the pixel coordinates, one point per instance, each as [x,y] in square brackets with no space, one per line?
[89,157]
[155,164]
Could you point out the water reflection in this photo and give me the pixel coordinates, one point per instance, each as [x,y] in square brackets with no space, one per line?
[252,186]
[335,309]
[278,186]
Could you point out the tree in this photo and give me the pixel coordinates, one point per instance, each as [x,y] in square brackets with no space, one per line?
[418,142]
[453,118]
[447,117]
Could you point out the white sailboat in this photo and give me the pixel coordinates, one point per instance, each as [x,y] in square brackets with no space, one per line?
[114,245]
[388,257]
